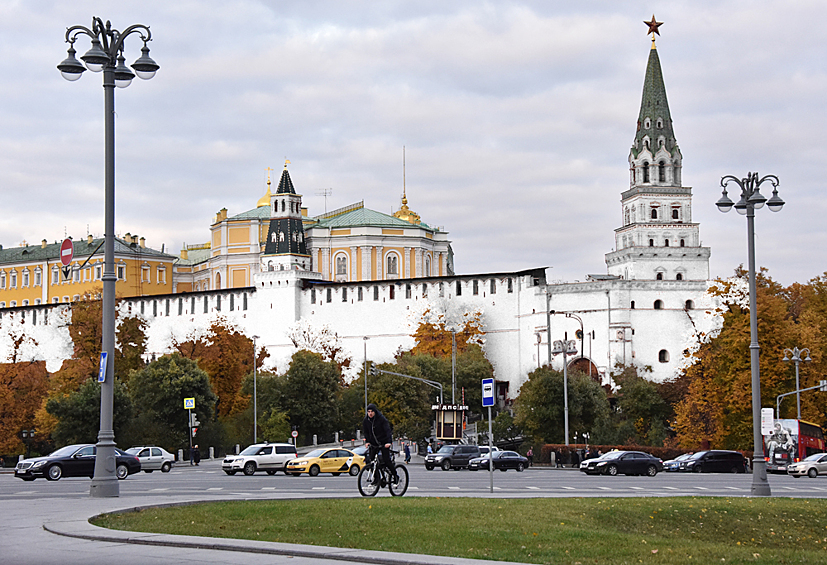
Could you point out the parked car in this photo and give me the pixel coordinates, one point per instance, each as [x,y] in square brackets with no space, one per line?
[812,466]
[674,465]
[626,462]
[76,460]
[153,458]
[715,461]
[484,449]
[335,461]
[269,457]
[452,457]
[503,460]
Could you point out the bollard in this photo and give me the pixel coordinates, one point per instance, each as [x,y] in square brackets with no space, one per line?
[315,439]
[180,455]
[212,452]
[337,438]
[237,449]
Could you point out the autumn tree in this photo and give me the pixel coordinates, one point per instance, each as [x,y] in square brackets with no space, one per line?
[130,345]
[227,357]
[23,386]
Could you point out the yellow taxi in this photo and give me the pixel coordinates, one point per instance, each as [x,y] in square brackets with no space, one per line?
[334,460]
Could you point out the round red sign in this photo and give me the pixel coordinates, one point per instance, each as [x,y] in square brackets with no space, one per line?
[67,252]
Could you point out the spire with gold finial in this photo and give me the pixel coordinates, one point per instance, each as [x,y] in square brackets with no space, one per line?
[265,200]
[653,28]
[405,213]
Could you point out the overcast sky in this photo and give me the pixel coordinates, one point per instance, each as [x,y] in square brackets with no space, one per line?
[517,118]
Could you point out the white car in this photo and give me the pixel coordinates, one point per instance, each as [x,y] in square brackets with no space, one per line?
[812,466]
[269,457]
[153,458]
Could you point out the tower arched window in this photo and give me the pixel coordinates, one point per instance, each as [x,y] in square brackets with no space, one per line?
[632,305]
[659,277]
[651,243]
[663,356]
[218,281]
[645,172]
[689,305]
[679,277]
[341,265]
[661,172]
[666,243]
[393,265]
[683,243]
[658,305]
[654,213]
[427,266]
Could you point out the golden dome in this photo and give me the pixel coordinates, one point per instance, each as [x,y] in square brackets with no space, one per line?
[265,200]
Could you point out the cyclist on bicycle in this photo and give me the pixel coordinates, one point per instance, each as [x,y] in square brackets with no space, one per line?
[378,436]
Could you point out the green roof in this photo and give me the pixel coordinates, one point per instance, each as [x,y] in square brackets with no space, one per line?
[366,217]
[654,106]
[51,252]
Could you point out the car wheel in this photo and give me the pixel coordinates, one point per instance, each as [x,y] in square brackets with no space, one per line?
[611,470]
[231,473]
[651,471]
[271,472]
[520,467]
[429,467]
[166,467]
[354,470]
[314,471]
[812,473]
[54,473]
[148,470]
[122,471]
[249,468]
[735,470]
[696,469]
[446,465]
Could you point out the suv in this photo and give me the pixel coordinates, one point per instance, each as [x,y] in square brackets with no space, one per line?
[452,457]
[715,461]
[153,458]
[270,457]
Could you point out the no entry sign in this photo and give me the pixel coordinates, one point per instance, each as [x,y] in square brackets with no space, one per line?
[67,252]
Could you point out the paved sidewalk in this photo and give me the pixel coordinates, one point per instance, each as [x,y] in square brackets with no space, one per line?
[57,530]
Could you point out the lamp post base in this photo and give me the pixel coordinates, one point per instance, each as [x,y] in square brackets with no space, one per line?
[760,483]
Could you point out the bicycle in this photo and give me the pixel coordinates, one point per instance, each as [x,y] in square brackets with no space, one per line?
[374,476]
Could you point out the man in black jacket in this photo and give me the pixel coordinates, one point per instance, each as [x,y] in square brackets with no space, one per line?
[378,435]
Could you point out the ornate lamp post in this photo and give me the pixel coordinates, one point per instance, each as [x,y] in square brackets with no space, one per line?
[752,200]
[568,347]
[106,54]
[794,355]
[28,438]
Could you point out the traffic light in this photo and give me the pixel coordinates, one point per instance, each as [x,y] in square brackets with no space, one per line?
[373,370]
[193,431]
[193,420]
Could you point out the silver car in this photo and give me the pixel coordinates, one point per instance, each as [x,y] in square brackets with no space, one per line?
[812,466]
[153,458]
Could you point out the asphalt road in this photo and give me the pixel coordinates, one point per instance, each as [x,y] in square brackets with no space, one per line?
[208,481]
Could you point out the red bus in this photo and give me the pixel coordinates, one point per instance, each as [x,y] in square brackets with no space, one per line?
[791,441]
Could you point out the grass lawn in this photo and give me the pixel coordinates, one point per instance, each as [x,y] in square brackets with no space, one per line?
[538,530]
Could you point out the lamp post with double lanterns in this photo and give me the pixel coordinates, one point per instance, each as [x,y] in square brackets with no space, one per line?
[752,200]
[567,347]
[106,54]
[28,438]
[794,355]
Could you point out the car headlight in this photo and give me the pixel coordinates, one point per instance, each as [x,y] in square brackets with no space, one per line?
[600,464]
[438,457]
[38,464]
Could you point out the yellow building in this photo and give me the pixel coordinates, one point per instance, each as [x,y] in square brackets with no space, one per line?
[352,243]
[32,274]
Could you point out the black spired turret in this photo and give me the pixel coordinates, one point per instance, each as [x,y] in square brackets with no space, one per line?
[654,122]
[285,237]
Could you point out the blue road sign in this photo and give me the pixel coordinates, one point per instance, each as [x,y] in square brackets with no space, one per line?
[488,392]
[102,371]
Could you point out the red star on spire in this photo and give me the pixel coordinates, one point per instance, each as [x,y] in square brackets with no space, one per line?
[653,26]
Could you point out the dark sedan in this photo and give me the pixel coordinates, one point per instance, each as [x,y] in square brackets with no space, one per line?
[73,461]
[625,462]
[503,460]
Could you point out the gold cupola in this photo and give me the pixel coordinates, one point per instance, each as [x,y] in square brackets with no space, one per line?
[265,200]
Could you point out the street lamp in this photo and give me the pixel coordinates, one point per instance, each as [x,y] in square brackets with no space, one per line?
[27,435]
[752,200]
[795,356]
[539,341]
[106,54]
[255,393]
[568,347]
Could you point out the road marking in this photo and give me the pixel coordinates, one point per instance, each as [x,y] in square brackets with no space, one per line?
[26,492]
[317,488]
[216,488]
[413,488]
[533,488]
[268,488]
[789,488]
[671,488]
[453,488]
[701,488]
[568,488]
[637,488]
[604,488]
[733,488]
[158,489]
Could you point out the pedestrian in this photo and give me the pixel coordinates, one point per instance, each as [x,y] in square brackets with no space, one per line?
[407,453]
[530,456]
[557,461]
[196,455]
[430,449]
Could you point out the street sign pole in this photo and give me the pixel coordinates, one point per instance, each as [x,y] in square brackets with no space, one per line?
[488,400]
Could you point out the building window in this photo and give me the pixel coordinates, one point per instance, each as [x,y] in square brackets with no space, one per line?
[376,293]
[37,301]
[341,265]
[359,294]
[393,265]
[392,292]
[659,277]
[25,302]
[206,305]
[312,296]
[654,214]
[493,286]
[13,303]
[192,305]
[155,308]
[13,280]
[218,303]
[162,275]
[329,296]
[37,277]
[651,243]
[645,172]
[441,290]
[180,306]
[244,304]
[663,356]
[459,288]
[424,290]
[145,274]
[427,266]
[658,304]
[232,302]
[55,276]
[689,305]
[679,277]
[407,291]
[97,272]
[510,285]
[26,279]
[661,172]
[633,305]
[666,243]
[683,243]
[476,288]
[344,295]
[121,272]
[2,280]
[674,213]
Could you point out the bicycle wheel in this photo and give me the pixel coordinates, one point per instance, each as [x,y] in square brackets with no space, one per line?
[401,487]
[365,480]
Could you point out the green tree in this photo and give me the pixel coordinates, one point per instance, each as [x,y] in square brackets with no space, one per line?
[642,415]
[78,414]
[503,427]
[540,405]
[311,392]
[158,392]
